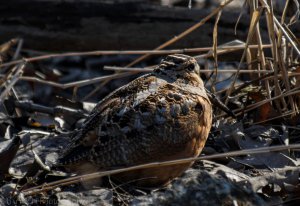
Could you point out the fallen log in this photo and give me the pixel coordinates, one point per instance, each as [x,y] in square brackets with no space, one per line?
[103,25]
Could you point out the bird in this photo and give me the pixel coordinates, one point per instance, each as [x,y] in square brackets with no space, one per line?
[161,116]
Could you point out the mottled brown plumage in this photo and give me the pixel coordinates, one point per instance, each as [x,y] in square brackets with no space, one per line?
[160,116]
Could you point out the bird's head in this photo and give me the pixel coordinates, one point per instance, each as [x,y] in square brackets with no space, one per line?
[179,67]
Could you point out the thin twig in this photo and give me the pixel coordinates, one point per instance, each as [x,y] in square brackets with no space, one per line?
[254,20]
[80,83]
[12,79]
[287,35]
[121,75]
[240,111]
[76,179]
[125,52]
[149,69]
[215,51]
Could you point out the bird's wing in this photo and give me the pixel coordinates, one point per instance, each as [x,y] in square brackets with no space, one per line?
[156,128]
[121,99]
[143,121]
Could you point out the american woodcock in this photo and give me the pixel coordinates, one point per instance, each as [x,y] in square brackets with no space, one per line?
[164,115]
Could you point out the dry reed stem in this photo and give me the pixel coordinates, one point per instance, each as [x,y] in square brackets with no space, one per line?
[280,104]
[227,49]
[86,82]
[215,51]
[252,54]
[150,69]
[283,17]
[281,62]
[80,83]
[277,89]
[254,20]
[286,34]
[261,59]
[279,54]
[125,52]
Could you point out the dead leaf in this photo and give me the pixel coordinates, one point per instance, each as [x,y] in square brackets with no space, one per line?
[265,111]
[8,150]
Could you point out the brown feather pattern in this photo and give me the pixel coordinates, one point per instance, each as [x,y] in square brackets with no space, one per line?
[160,116]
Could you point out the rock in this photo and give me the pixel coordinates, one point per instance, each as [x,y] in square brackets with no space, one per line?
[8,150]
[2,200]
[198,187]
[91,197]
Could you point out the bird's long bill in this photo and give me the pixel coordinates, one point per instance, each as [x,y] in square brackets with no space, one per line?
[217,102]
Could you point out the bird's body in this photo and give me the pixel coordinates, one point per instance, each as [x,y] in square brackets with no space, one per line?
[160,116]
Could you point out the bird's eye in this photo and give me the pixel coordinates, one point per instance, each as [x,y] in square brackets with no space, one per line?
[190,67]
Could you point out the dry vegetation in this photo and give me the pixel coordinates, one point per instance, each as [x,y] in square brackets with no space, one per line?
[257,149]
